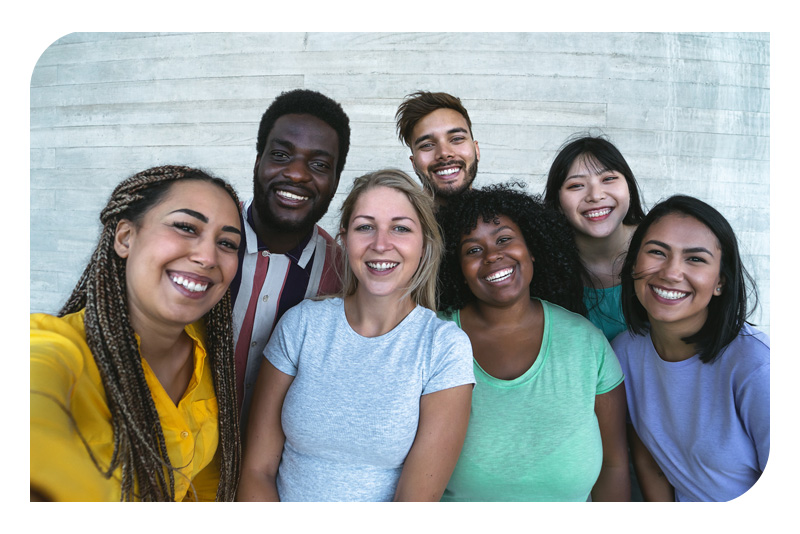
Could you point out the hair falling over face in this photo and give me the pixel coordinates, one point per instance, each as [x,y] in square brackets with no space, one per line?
[139,446]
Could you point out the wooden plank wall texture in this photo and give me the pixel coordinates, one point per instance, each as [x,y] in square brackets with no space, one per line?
[690,112]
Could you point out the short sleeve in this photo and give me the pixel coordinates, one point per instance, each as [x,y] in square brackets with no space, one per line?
[451,361]
[282,349]
[609,372]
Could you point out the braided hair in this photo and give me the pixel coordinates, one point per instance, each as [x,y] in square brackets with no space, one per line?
[139,446]
[557,275]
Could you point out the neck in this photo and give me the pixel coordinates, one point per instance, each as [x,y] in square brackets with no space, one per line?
[514,316]
[158,341]
[669,344]
[372,316]
[603,256]
[276,240]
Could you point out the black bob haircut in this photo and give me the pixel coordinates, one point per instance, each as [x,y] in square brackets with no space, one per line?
[727,312]
[608,156]
[557,272]
[308,102]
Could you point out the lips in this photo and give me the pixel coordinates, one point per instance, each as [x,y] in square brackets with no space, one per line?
[597,214]
[290,195]
[499,276]
[192,284]
[669,294]
[448,172]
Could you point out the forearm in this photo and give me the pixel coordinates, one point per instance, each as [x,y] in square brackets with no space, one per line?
[257,487]
[613,484]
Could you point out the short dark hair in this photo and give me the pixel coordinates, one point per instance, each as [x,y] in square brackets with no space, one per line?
[558,271]
[418,105]
[308,102]
[608,156]
[728,311]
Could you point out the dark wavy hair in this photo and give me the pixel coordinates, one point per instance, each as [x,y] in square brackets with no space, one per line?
[602,151]
[418,105]
[557,274]
[727,313]
[307,102]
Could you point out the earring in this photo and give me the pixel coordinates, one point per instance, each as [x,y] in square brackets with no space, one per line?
[719,289]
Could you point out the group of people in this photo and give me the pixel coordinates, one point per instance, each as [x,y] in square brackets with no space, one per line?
[451,343]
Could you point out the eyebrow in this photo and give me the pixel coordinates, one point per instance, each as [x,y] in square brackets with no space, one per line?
[371,218]
[596,171]
[691,250]
[199,216]
[291,146]
[457,129]
[494,232]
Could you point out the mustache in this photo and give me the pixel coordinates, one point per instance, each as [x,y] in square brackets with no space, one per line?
[435,166]
[290,186]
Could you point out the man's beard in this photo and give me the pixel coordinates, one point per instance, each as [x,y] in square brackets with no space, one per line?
[265,215]
[450,192]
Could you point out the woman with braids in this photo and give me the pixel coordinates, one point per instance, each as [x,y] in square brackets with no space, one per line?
[548,409]
[696,373]
[132,384]
[365,397]
[593,186]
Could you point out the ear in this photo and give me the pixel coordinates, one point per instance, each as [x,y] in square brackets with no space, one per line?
[720,285]
[411,158]
[122,238]
[477,152]
[255,167]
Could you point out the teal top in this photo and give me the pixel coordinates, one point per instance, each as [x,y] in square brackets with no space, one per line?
[536,437]
[605,309]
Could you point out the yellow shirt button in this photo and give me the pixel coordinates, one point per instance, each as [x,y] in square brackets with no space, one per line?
[184,434]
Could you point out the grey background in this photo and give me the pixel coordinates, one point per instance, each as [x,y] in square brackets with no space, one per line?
[690,113]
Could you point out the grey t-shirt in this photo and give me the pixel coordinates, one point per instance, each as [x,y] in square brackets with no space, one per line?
[352,411]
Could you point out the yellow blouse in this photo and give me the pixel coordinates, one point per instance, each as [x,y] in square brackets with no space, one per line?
[64,375]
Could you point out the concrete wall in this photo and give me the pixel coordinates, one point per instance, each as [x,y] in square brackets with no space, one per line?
[690,112]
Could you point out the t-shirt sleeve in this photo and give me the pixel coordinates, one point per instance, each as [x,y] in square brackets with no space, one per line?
[282,350]
[451,361]
[61,468]
[609,372]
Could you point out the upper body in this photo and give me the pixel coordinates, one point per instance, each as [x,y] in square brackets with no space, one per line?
[351,414]
[266,286]
[64,376]
[705,424]
[536,437]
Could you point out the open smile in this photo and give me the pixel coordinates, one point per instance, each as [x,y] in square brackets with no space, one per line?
[382,266]
[499,276]
[190,285]
[448,173]
[669,294]
[599,214]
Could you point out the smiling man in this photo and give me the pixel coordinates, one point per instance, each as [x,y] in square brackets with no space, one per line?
[437,129]
[302,145]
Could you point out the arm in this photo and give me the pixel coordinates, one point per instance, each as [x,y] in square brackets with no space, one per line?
[443,419]
[614,482]
[655,486]
[265,438]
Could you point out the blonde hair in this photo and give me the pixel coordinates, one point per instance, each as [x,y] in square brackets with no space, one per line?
[422,287]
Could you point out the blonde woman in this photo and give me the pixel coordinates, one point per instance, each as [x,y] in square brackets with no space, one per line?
[366,396]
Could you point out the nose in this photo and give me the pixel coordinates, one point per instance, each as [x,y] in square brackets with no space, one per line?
[492,255]
[382,241]
[671,270]
[204,252]
[594,192]
[297,170]
[444,151]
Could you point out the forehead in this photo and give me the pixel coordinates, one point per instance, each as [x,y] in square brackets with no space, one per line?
[306,132]
[586,163]
[498,221]
[198,195]
[439,121]
[682,231]
[384,201]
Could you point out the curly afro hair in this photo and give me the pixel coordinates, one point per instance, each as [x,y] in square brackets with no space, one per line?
[557,274]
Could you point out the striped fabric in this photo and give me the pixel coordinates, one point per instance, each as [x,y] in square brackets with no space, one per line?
[269,284]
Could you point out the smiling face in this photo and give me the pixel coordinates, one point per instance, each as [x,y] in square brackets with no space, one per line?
[384,242]
[677,272]
[181,256]
[294,178]
[443,153]
[594,200]
[496,262]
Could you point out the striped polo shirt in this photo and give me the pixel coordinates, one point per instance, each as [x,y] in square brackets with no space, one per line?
[267,285]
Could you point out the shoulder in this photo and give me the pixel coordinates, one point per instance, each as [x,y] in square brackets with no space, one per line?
[59,340]
[565,322]
[749,351]
[314,309]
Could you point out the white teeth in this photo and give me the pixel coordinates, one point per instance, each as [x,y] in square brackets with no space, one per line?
[195,287]
[382,265]
[597,213]
[446,172]
[669,295]
[291,196]
[499,275]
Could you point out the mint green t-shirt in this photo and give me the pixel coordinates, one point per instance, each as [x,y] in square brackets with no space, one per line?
[536,437]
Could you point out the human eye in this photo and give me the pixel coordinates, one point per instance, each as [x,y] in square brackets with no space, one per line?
[655,252]
[573,186]
[228,244]
[320,165]
[696,259]
[425,146]
[503,239]
[278,155]
[610,177]
[185,227]
[402,229]
[469,251]
[363,228]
